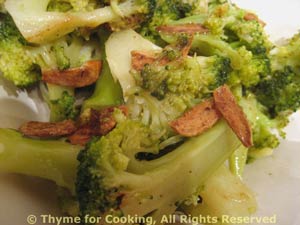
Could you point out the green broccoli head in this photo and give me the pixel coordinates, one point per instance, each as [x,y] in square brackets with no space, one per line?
[67,52]
[215,70]
[15,61]
[174,78]
[109,183]
[250,34]
[230,23]
[164,12]
[191,76]
[252,69]
[287,55]
[280,91]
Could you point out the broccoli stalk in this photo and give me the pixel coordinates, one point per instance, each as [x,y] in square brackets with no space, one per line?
[49,159]
[223,195]
[54,25]
[108,91]
[108,183]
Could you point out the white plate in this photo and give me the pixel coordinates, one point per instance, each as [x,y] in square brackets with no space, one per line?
[275,180]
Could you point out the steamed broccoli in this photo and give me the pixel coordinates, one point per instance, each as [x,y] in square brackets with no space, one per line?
[107,183]
[169,12]
[15,61]
[187,77]
[215,70]
[280,91]
[287,55]
[165,11]
[230,23]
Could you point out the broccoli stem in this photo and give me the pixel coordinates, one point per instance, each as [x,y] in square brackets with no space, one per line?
[107,92]
[187,168]
[55,91]
[64,23]
[49,159]
[237,161]
[230,197]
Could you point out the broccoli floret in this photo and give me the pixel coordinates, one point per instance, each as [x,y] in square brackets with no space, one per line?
[249,34]
[167,11]
[247,68]
[73,5]
[68,52]
[49,159]
[253,69]
[191,76]
[179,78]
[215,70]
[287,55]
[279,92]
[229,23]
[61,102]
[107,182]
[15,61]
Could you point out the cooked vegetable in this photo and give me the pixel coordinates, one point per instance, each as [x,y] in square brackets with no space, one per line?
[52,160]
[15,61]
[107,90]
[166,11]
[223,195]
[53,25]
[148,83]
[65,56]
[109,183]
